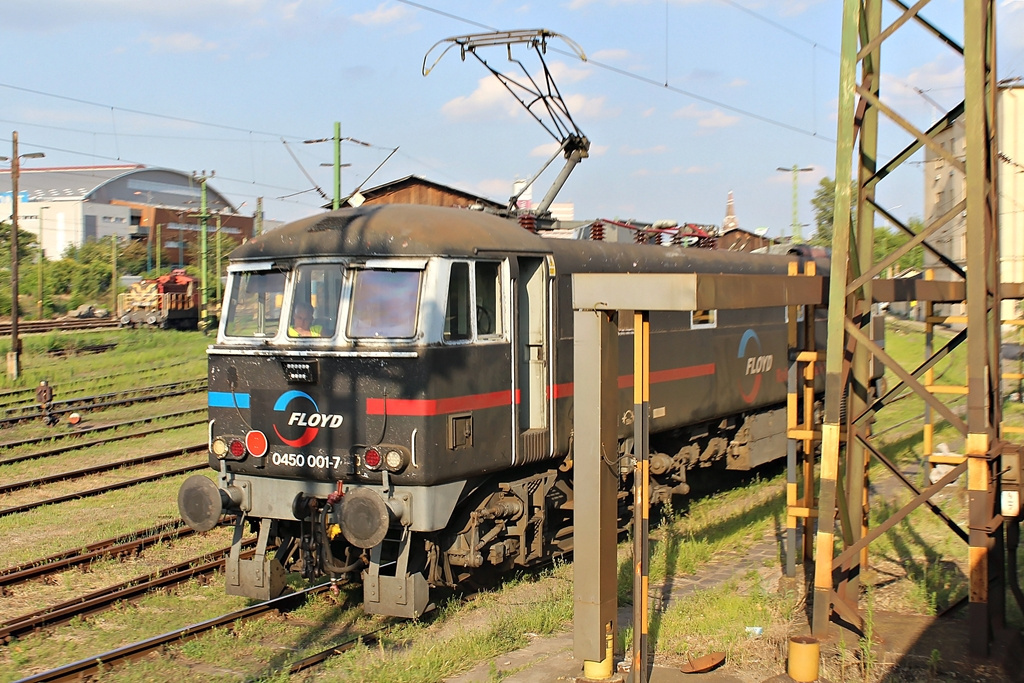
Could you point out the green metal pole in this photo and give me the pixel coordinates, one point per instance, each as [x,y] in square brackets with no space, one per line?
[42,257]
[336,204]
[202,246]
[217,238]
[837,310]
[113,273]
[159,248]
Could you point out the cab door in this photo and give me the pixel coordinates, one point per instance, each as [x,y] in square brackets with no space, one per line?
[531,360]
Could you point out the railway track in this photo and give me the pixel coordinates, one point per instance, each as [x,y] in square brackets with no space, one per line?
[119,546]
[90,666]
[18,397]
[107,488]
[11,487]
[73,443]
[103,599]
[130,396]
[39,326]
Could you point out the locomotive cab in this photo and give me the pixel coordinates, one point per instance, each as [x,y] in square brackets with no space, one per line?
[373,419]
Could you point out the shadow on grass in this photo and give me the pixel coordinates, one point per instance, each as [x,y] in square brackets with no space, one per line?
[681,556]
[333,626]
[941,583]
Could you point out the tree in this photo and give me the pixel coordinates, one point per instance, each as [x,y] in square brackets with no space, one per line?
[26,245]
[886,239]
[823,203]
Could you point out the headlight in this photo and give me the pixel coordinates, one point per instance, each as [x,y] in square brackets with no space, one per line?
[394,460]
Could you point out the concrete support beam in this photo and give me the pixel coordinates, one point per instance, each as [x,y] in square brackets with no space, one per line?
[595,482]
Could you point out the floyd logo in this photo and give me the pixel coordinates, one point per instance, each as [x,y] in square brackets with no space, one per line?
[297,404]
[757,363]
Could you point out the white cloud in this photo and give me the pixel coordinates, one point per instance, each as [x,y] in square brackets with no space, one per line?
[926,91]
[490,100]
[179,43]
[563,73]
[548,149]
[384,14]
[290,10]
[545,151]
[583,107]
[494,187]
[707,118]
[692,170]
[643,151]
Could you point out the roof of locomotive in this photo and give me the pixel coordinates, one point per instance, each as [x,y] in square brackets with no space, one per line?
[392,230]
[414,230]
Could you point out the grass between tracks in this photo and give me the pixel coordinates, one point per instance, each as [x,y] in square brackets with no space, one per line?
[917,567]
[136,354]
[447,642]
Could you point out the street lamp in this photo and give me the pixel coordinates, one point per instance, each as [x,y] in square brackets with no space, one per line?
[14,356]
[796,207]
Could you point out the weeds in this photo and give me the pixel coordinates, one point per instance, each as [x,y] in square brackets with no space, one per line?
[868,657]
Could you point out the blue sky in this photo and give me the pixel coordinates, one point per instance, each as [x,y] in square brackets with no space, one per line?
[683,100]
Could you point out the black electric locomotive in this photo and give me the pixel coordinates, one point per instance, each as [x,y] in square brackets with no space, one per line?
[418,430]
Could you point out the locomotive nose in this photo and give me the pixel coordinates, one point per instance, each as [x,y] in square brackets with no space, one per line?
[365,517]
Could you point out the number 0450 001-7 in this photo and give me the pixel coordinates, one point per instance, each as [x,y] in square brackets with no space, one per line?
[303,460]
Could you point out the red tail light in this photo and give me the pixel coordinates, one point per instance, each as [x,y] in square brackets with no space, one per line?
[372,458]
[237,448]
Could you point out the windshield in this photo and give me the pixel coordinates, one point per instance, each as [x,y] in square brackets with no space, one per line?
[384,303]
[316,293]
[254,308]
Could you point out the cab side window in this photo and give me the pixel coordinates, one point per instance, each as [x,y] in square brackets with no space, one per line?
[488,299]
[473,308]
[456,318]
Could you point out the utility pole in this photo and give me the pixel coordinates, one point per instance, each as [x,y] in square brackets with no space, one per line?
[336,203]
[42,257]
[159,248]
[217,240]
[113,272]
[258,217]
[203,216]
[337,140]
[797,237]
[14,355]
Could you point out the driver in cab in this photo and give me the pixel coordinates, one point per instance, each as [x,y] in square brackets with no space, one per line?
[302,319]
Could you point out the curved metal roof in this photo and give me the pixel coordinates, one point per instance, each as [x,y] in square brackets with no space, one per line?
[102,184]
[383,230]
[393,229]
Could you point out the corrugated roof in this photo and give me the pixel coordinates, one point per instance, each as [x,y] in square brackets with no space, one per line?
[132,183]
[67,183]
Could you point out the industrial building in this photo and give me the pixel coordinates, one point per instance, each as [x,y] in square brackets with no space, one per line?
[71,206]
[945,187]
